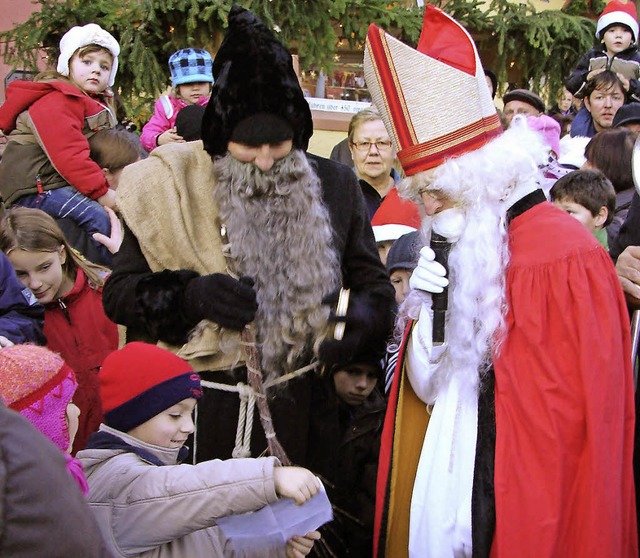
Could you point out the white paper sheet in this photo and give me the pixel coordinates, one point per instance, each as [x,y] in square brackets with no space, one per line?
[273,525]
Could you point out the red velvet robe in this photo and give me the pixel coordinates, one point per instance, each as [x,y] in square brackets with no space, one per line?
[564,398]
[563,401]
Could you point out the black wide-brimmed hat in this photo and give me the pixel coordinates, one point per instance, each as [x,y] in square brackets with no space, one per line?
[256,97]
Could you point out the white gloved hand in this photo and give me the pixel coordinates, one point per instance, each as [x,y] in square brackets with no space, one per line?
[428,275]
[422,357]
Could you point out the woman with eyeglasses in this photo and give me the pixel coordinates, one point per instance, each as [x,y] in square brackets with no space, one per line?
[373,156]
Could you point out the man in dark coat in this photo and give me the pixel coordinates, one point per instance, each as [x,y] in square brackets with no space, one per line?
[249,230]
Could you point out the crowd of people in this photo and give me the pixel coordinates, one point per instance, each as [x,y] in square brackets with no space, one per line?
[432,326]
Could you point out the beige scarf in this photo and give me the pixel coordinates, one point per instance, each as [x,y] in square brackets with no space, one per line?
[167,202]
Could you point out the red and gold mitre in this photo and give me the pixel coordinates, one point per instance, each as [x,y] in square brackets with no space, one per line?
[434,100]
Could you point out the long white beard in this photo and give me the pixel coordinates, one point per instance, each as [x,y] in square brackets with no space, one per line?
[484,184]
[475,315]
[281,236]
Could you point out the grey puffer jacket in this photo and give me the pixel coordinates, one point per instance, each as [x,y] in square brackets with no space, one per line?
[167,511]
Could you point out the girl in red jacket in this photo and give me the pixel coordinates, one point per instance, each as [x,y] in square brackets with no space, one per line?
[70,289]
[46,163]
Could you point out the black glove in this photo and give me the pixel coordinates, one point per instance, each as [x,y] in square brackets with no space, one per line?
[367,324]
[229,302]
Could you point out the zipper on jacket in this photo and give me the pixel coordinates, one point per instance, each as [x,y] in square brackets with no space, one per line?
[39,184]
[65,312]
[63,307]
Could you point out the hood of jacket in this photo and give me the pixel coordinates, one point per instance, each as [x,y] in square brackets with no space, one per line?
[108,442]
[20,95]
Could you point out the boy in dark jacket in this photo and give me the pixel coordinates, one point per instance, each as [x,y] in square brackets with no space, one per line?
[617,31]
[346,432]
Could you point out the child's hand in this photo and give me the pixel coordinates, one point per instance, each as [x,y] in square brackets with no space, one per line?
[296,483]
[108,199]
[297,546]
[594,73]
[5,342]
[624,80]
[114,241]
[169,136]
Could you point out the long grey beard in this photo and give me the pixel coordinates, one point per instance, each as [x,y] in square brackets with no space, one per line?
[281,236]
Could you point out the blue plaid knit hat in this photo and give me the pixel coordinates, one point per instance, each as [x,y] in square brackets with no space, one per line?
[190,65]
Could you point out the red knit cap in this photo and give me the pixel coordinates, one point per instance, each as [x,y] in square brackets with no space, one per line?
[39,385]
[140,381]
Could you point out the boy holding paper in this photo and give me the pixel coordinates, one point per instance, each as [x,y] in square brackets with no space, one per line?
[146,502]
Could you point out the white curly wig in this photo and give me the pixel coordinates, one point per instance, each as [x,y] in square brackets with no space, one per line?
[483,184]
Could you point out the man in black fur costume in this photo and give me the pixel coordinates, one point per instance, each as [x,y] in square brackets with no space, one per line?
[249,234]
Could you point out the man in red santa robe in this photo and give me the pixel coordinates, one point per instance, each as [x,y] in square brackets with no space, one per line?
[513,435]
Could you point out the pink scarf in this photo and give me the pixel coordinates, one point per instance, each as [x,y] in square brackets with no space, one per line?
[75,470]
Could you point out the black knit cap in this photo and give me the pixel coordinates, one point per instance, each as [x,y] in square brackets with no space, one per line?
[404,252]
[189,122]
[254,77]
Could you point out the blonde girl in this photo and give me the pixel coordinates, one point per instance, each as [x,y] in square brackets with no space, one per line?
[70,289]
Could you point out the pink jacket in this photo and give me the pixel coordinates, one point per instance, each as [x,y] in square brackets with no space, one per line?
[164,118]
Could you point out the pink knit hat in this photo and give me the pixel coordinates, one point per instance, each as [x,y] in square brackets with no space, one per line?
[39,385]
[548,128]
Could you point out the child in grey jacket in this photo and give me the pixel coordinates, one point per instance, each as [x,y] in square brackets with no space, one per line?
[145,502]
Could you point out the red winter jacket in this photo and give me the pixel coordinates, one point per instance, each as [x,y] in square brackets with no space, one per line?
[77,328]
[48,124]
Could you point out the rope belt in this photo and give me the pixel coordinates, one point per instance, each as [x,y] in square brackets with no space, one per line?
[248,397]
[254,392]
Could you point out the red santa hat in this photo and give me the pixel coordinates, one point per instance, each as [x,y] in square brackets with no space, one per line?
[394,218]
[434,101]
[622,12]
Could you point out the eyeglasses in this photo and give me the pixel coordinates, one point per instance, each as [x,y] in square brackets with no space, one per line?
[365,146]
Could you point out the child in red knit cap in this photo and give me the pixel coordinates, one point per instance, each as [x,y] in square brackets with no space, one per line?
[145,501]
[39,385]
